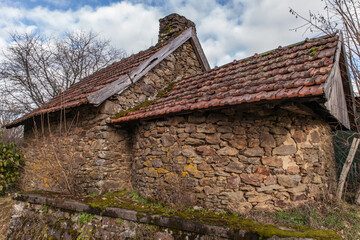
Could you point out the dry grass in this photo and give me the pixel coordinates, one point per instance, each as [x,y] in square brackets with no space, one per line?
[6,205]
[343,218]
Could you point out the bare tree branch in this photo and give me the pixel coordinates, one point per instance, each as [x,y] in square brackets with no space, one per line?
[35,69]
[341,15]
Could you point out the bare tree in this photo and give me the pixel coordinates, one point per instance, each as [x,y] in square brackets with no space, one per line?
[34,68]
[341,15]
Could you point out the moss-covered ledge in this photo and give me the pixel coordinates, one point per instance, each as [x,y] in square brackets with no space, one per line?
[200,222]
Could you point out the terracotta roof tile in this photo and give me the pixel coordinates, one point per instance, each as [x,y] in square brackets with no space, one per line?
[298,70]
[77,94]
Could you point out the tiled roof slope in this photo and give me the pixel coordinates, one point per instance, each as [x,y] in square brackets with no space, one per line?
[77,94]
[299,70]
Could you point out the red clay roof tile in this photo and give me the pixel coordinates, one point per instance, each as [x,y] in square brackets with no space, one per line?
[77,94]
[298,70]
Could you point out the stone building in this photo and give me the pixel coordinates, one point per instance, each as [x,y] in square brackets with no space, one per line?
[252,134]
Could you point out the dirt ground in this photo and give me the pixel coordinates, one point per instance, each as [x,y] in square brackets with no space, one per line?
[6,205]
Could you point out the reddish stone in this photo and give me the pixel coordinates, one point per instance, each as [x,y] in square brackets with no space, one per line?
[253,143]
[271,161]
[206,151]
[252,179]
[239,143]
[262,170]
[254,152]
[147,134]
[213,139]
[270,180]
[299,136]
[280,203]
[160,129]
[233,182]
[228,151]
[293,169]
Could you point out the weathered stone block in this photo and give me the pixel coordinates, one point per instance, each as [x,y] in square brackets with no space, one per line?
[261,170]
[278,130]
[239,142]
[235,167]
[167,140]
[269,188]
[228,151]
[270,180]
[211,190]
[206,128]
[233,182]
[299,136]
[188,152]
[272,161]
[224,129]
[284,150]
[254,152]
[252,179]
[289,180]
[259,198]
[213,139]
[206,151]
[194,141]
[267,140]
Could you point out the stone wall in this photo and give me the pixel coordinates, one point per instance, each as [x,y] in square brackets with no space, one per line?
[235,159]
[34,221]
[88,154]
[38,216]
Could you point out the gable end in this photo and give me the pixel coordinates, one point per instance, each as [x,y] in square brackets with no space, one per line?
[118,86]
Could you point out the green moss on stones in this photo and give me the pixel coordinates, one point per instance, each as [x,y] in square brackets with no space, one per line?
[313,51]
[160,94]
[168,30]
[132,201]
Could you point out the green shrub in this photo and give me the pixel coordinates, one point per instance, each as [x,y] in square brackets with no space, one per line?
[11,161]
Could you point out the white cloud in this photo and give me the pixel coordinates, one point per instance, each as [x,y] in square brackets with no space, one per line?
[236,29]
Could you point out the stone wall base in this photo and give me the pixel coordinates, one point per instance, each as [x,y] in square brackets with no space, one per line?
[40,217]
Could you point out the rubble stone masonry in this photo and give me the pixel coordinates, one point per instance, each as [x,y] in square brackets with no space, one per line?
[264,158]
[88,154]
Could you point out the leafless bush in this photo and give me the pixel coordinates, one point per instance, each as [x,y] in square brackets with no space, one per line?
[54,165]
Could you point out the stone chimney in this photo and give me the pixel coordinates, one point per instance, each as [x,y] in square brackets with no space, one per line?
[172,25]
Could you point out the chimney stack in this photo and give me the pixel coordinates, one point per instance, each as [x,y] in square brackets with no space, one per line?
[172,25]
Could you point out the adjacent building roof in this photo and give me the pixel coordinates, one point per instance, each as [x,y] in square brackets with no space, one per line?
[296,71]
[117,77]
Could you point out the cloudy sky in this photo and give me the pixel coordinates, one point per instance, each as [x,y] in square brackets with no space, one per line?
[227,29]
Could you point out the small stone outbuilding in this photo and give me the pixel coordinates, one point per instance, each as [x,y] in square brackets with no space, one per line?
[252,134]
